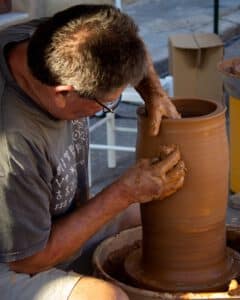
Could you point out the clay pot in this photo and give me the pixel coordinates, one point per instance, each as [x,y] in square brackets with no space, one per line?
[184,246]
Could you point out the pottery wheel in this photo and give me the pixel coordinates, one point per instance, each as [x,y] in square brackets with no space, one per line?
[140,278]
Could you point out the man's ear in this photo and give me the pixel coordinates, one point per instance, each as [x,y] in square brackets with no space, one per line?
[60,94]
[64,88]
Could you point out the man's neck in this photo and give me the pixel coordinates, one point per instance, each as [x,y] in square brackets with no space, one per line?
[17,61]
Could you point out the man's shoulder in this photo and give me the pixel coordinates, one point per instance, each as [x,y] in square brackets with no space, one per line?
[15,34]
[20,31]
[25,26]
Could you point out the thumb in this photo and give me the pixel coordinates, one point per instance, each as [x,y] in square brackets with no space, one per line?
[154,122]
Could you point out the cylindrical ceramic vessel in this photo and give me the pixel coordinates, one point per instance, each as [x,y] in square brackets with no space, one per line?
[184,246]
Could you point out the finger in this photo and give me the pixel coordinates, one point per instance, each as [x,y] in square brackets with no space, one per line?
[167,164]
[178,171]
[143,162]
[174,180]
[172,187]
[165,150]
[172,112]
[155,117]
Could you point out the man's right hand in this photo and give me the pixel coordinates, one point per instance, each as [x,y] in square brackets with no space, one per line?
[154,179]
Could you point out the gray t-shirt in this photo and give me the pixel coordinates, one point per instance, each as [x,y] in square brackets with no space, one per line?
[43,162]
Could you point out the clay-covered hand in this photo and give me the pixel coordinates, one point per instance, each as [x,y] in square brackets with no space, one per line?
[157,102]
[158,107]
[152,179]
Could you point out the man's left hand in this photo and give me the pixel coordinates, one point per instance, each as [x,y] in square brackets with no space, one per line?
[156,109]
[157,102]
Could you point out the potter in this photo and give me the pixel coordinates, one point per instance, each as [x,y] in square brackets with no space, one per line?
[54,73]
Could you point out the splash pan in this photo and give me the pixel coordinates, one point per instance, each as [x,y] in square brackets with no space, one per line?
[110,256]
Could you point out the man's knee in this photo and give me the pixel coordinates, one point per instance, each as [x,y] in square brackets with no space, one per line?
[93,288]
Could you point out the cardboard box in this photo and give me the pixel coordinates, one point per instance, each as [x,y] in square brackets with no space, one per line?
[193,60]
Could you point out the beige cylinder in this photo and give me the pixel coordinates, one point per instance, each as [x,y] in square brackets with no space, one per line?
[184,246]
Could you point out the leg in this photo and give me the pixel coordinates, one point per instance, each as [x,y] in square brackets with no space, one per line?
[48,285]
[95,289]
[55,284]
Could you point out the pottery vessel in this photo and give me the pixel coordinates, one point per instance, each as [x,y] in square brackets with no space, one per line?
[184,244]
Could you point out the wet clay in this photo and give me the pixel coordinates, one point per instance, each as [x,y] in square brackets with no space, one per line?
[109,258]
[184,244]
[114,264]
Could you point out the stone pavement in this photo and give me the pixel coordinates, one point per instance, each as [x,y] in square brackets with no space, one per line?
[157,19]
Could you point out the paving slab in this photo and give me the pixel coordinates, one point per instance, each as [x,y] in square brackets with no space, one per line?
[157,19]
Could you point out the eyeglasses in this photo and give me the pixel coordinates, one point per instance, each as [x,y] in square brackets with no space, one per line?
[108,106]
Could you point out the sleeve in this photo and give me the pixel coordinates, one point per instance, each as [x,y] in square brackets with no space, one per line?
[25,193]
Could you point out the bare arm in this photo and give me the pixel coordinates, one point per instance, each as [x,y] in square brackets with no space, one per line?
[156,99]
[147,180]
[70,232]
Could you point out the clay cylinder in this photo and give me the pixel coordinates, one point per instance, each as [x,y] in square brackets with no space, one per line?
[184,247]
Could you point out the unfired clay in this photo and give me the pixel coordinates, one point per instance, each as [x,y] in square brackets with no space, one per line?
[184,245]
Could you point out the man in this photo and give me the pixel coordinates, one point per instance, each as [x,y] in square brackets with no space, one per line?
[54,74]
